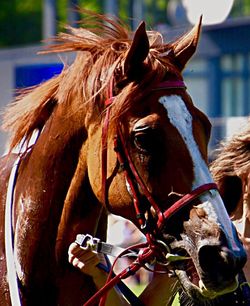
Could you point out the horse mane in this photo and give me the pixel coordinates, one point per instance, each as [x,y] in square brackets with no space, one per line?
[101,44]
[232,157]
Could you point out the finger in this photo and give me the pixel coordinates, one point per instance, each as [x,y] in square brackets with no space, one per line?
[71,258]
[85,256]
[78,264]
[73,248]
[76,251]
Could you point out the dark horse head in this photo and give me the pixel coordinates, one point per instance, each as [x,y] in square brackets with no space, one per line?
[122,99]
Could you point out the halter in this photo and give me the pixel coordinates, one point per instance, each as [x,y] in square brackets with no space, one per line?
[134,181]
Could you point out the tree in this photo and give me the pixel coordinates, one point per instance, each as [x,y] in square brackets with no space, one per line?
[241,8]
[20,22]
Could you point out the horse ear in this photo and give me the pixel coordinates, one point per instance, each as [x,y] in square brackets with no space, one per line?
[137,52]
[184,48]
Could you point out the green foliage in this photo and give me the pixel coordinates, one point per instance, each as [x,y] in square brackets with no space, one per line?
[241,8]
[20,22]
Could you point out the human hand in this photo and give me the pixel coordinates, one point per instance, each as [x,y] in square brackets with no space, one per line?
[85,260]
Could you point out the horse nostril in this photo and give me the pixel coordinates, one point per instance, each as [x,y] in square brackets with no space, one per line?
[215,259]
[208,255]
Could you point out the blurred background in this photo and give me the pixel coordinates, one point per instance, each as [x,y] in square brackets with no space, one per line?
[218,77]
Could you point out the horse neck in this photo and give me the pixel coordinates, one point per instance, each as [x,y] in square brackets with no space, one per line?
[53,193]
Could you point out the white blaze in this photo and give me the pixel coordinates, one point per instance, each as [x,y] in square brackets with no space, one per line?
[181,119]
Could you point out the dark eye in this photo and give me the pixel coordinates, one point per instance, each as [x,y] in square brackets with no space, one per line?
[145,139]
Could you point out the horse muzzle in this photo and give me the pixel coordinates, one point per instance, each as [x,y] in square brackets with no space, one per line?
[214,260]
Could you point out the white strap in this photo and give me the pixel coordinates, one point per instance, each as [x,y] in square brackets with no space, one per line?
[9,251]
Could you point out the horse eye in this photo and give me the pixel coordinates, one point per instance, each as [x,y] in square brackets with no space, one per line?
[144,141]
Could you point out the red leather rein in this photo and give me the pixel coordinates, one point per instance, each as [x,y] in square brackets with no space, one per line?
[135,183]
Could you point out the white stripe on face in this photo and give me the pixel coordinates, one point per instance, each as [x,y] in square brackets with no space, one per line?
[181,119]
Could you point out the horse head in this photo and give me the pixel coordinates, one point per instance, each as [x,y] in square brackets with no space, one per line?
[159,161]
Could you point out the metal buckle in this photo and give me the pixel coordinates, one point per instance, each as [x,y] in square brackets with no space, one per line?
[87,241]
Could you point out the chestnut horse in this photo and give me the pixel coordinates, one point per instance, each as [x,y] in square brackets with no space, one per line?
[117,131]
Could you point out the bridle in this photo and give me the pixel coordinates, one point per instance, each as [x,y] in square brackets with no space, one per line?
[132,176]
[135,183]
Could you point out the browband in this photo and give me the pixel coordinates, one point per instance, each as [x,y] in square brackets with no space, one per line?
[170,84]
